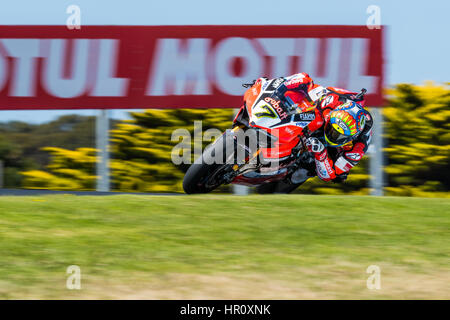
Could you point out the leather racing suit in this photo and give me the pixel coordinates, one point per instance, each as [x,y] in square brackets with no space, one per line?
[331,163]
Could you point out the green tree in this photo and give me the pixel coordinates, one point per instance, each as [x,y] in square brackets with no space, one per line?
[142,147]
[68,170]
[141,154]
[22,145]
[12,163]
[418,139]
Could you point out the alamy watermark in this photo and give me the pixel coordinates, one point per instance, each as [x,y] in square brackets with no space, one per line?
[74,20]
[374,280]
[73,281]
[234,146]
[374,19]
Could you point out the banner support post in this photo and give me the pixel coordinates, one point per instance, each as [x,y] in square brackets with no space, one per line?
[102,140]
[376,157]
[239,189]
[2,174]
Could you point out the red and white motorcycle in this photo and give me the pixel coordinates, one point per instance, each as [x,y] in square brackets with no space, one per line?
[264,148]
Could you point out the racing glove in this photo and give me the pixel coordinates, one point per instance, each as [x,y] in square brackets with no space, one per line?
[324,165]
[314,145]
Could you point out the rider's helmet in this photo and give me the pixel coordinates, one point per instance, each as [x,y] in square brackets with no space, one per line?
[345,123]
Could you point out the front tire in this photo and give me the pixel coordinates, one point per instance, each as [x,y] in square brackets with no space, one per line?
[194,180]
[205,174]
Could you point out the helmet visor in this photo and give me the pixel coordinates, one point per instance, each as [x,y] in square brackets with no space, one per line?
[334,137]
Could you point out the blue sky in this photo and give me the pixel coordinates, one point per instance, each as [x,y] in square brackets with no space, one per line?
[417,45]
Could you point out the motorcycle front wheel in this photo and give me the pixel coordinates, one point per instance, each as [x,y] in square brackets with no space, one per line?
[207,173]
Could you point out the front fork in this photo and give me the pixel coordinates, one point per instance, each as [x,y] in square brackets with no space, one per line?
[239,168]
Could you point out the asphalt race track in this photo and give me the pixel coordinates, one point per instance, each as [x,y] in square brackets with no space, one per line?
[41,192]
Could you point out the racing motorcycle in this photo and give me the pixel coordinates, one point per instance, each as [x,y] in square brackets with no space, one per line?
[265,146]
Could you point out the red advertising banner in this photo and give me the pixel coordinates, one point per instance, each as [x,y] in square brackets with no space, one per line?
[107,67]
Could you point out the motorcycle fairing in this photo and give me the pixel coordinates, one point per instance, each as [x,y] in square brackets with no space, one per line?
[268,114]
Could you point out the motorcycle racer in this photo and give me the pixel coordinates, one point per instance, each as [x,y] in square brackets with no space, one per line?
[301,130]
[340,134]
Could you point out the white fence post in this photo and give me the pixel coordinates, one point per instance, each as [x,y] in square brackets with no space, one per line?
[102,141]
[376,156]
[2,174]
[240,190]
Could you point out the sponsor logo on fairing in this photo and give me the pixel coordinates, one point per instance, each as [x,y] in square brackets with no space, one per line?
[328,100]
[277,82]
[288,130]
[307,116]
[302,124]
[296,80]
[277,107]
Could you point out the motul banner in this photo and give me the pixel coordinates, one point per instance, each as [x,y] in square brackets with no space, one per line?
[52,67]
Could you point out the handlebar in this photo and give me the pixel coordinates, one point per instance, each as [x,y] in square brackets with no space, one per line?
[360,95]
[343,96]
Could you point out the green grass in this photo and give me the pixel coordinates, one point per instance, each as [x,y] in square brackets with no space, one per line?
[322,244]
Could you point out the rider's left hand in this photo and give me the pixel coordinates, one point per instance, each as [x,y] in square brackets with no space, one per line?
[314,145]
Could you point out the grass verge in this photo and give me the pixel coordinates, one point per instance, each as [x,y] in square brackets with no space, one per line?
[230,247]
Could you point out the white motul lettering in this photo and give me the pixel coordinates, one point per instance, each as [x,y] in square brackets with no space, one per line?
[23,73]
[308,51]
[106,84]
[358,68]
[3,70]
[331,63]
[53,79]
[226,51]
[280,50]
[180,68]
